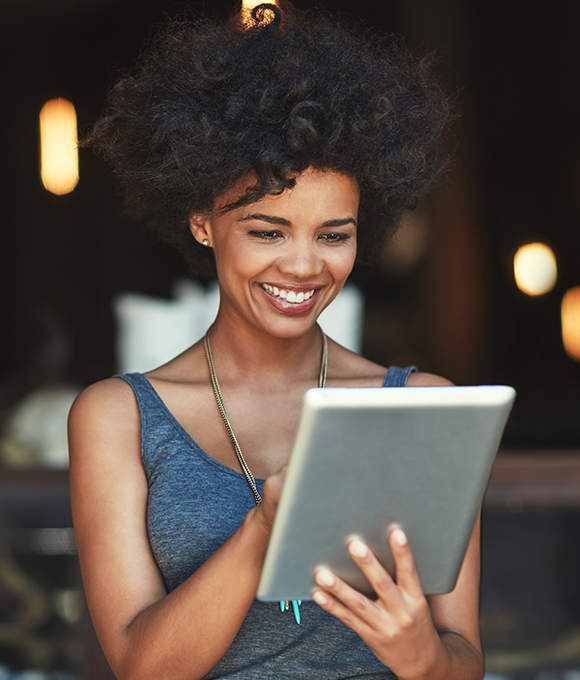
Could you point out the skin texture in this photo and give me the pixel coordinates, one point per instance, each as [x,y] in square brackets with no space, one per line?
[267,355]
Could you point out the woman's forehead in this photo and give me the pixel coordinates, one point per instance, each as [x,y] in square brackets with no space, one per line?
[312,186]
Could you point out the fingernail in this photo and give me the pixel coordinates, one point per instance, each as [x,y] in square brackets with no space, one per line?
[324,577]
[319,597]
[399,537]
[358,549]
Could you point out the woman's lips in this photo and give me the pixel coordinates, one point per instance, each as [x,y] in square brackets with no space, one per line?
[290,300]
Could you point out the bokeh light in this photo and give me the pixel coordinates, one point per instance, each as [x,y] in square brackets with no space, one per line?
[248,6]
[535,269]
[571,323]
[59,157]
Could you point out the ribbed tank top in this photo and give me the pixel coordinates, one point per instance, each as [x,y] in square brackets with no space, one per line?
[194,505]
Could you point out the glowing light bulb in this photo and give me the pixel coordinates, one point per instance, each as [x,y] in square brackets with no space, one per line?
[571,323]
[535,269]
[59,157]
[248,6]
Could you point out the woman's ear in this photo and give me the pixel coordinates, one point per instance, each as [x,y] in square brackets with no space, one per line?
[200,227]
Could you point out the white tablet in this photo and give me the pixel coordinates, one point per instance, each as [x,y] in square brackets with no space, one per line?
[365,458]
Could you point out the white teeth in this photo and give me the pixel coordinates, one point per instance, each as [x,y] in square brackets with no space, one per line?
[289,295]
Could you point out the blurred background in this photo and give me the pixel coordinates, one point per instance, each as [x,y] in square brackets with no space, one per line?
[481,284]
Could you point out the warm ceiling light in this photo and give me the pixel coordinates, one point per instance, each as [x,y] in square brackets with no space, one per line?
[571,323]
[535,269]
[248,6]
[59,157]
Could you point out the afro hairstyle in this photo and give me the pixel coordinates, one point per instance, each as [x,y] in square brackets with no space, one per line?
[211,102]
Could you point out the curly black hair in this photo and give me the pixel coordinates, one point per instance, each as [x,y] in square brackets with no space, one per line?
[211,102]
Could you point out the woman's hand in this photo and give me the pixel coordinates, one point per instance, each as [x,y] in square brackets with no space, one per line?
[397,626]
[271,493]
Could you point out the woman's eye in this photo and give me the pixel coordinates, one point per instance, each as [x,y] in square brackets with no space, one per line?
[266,235]
[334,238]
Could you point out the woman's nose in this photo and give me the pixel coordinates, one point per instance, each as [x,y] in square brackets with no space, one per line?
[301,260]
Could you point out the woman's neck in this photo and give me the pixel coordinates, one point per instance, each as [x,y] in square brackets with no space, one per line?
[243,352]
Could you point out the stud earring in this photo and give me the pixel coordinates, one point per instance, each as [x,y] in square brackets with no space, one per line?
[205,243]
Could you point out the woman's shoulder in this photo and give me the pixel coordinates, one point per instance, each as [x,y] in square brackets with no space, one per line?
[349,369]
[357,371]
[421,379]
[109,401]
[104,433]
[187,368]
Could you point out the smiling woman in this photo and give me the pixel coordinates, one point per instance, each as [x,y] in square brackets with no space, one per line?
[276,155]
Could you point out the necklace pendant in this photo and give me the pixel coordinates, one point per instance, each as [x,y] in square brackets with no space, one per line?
[285,606]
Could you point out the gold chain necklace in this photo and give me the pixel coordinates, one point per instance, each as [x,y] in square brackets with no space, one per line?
[222,407]
[284,605]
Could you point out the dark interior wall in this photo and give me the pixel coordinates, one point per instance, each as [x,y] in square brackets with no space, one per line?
[61,256]
[524,77]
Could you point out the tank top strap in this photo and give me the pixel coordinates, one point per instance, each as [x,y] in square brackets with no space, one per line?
[397,377]
[151,409]
[160,432]
[144,393]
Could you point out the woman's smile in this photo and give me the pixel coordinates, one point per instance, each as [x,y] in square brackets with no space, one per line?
[288,293]
[291,299]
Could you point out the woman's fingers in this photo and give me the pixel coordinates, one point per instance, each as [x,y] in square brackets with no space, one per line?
[351,607]
[379,578]
[395,594]
[273,485]
[399,599]
[406,575]
[404,582]
[271,493]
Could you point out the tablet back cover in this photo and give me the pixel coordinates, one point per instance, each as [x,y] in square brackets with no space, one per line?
[365,458]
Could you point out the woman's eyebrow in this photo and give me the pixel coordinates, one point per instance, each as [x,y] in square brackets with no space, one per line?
[340,223]
[272,219]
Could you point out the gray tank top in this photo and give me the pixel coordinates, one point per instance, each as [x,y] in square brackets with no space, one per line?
[195,504]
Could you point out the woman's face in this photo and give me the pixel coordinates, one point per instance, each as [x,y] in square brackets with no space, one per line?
[282,260]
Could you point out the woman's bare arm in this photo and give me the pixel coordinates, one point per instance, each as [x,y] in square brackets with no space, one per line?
[144,632]
[456,615]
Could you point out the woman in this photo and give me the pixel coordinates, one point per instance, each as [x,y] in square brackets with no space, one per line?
[278,154]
